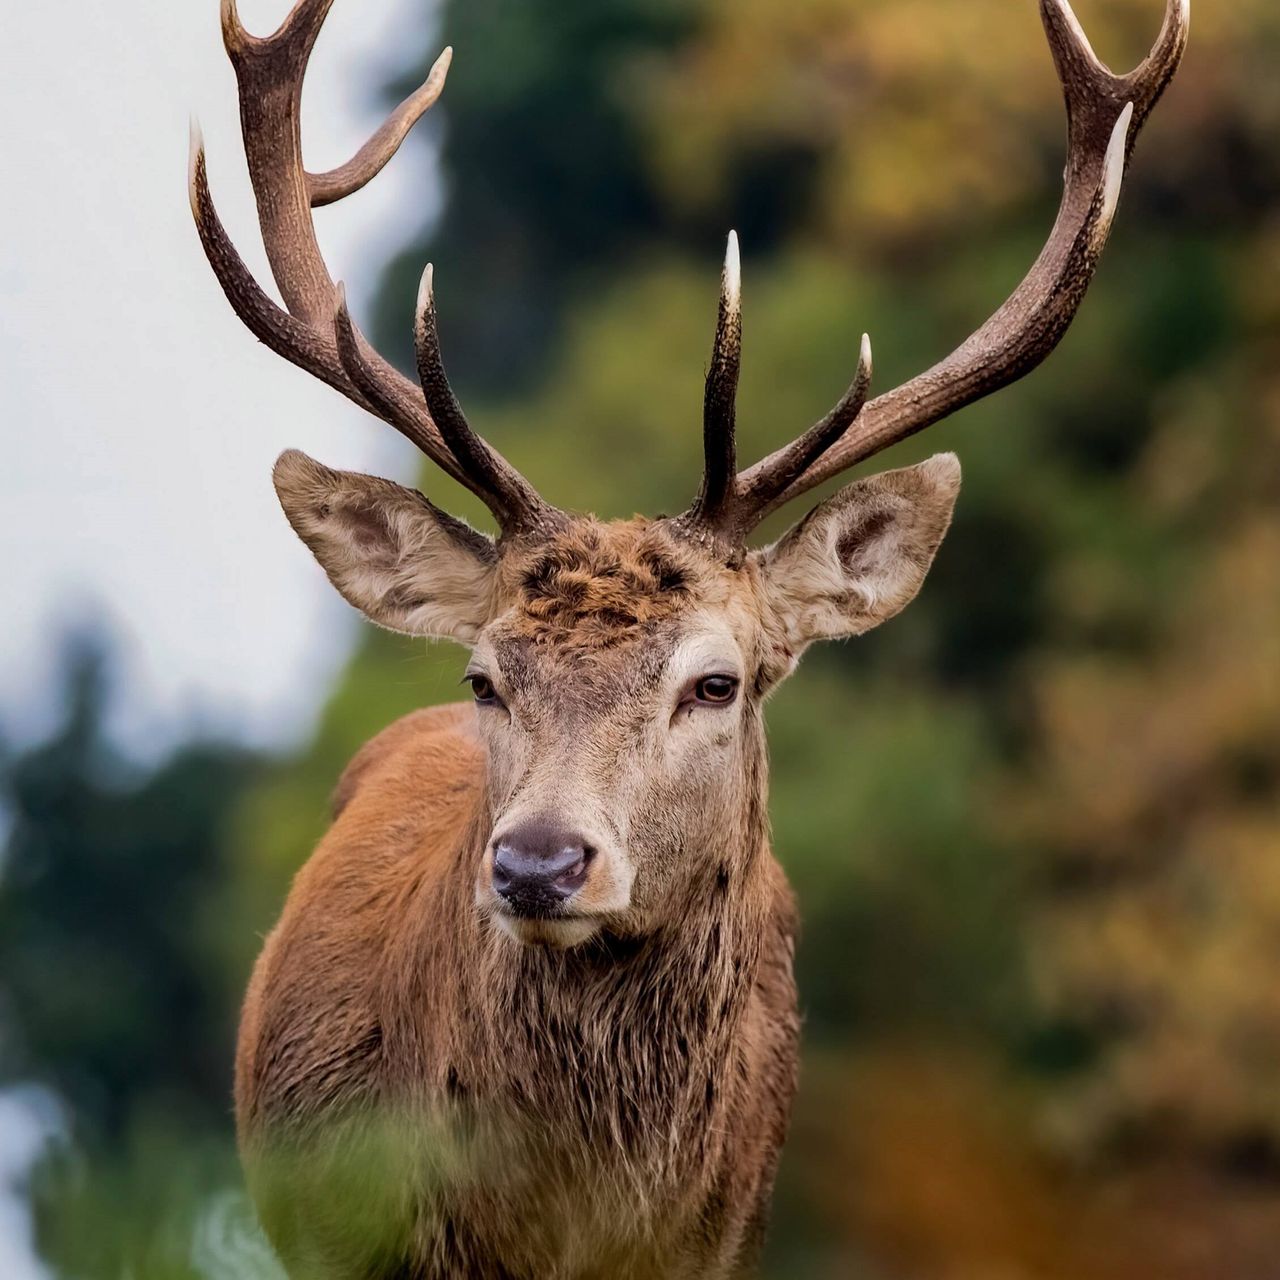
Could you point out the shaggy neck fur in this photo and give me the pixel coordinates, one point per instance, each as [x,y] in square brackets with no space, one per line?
[629,1049]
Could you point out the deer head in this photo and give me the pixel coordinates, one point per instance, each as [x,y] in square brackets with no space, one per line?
[619,668]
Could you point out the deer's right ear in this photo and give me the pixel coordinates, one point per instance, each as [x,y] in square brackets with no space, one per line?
[401,561]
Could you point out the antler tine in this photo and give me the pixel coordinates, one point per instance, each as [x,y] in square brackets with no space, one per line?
[1104,114]
[303,24]
[369,161]
[315,330]
[297,34]
[288,336]
[772,477]
[394,400]
[719,406]
[235,38]
[1150,78]
[522,507]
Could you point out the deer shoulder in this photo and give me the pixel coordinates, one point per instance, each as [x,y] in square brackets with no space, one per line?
[310,1033]
[435,735]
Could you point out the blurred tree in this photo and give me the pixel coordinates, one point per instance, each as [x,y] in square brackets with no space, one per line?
[545,185]
[109,983]
[1154,787]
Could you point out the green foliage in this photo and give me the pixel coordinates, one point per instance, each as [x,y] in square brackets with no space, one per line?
[104,935]
[110,982]
[544,168]
[141,1206]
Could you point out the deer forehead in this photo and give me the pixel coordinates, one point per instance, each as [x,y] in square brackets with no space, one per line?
[605,613]
[596,587]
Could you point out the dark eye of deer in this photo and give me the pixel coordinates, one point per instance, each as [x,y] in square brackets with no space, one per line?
[717,690]
[482,688]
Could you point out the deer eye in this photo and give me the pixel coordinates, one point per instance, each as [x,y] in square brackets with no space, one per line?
[482,688]
[717,690]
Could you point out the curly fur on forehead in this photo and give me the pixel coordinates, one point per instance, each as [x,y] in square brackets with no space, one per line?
[596,585]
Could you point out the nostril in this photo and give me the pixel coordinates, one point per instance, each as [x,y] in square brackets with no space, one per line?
[571,872]
[536,870]
[503,869]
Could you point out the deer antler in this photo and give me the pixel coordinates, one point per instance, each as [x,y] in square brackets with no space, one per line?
[1105,113]
[314,330]
[719,405]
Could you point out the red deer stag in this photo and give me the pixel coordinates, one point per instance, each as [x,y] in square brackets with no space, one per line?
[529,1011]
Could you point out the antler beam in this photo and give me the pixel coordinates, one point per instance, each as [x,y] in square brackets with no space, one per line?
[314,329]
[1105,113]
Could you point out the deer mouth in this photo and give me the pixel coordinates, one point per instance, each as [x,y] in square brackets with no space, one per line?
[556,932]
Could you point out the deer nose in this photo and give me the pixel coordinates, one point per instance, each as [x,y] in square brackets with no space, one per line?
[538,867]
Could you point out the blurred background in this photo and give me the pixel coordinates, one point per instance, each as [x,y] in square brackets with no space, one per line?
[1034,823]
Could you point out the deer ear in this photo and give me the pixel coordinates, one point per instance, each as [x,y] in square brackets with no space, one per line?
[400,560]
[860,557]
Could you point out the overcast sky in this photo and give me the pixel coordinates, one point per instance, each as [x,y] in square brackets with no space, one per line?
[139,420]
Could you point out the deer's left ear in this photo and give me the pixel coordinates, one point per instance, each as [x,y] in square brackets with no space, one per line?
[860,557]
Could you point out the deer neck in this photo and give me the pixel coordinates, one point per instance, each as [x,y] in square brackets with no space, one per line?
[626,1041]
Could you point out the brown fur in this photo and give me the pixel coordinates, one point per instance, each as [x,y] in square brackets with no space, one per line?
[596,585]
[615,1092]
[427,1089]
